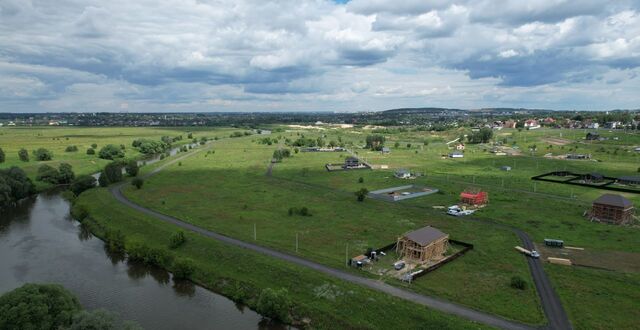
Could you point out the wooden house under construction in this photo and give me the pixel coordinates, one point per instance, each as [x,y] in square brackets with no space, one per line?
[612,208]
[474,197]
[423,245]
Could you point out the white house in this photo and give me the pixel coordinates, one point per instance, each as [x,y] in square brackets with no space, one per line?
[402,174]
[531,124]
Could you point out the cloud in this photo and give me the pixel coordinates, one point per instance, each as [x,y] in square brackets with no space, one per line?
[247,54]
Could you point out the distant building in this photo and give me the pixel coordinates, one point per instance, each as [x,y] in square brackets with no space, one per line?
[531,124]
[402,174]
[612,209]
[506,168]
[510,124]
[351,162]
[460,146]
[578,156]
[423,245]
[629,180]
[476,198]
[386,150]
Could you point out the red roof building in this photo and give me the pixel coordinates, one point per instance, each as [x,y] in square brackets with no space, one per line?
[474,198]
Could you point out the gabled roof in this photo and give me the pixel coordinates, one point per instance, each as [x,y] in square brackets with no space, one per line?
[613,200]
[424,236]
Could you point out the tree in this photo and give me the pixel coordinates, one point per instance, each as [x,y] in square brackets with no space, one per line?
[132,168]
[408,145]
[190,135]
[82,183]
[103,181]
[23,154]
[274,303]
[1,155]
[375,142]
[65,174]
[71,149]
[94,145]
[397,144]
[111,151]
[113,172]
[91,151]
[14,185]
[183,268]
[43,154]
[484,135]
[38,306]
[137,182]
[361,194]
[177,239]
[48,174]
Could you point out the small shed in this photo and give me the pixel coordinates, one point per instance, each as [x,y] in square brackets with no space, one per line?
[474,197]
[506,168]
[386,150]
[612,208]
[359,261]
[423,245]
[593,136]
[460,146]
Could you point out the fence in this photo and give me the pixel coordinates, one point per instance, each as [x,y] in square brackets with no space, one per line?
[467,247]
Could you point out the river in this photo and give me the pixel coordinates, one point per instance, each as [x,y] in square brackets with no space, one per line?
[41,243]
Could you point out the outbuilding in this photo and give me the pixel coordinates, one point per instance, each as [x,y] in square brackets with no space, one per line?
[351,162]
[423,245]
[506,168]
[402,174]
[474,197]
[386,150]
[456,154]
[612,208]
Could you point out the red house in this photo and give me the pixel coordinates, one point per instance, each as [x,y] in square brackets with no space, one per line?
[474,197]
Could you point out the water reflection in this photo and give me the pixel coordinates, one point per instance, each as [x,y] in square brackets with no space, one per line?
[40,243]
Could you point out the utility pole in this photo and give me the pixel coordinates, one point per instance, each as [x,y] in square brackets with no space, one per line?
[346,256]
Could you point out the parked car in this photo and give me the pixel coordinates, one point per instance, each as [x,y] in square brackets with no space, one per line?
[535,254]
[399,265]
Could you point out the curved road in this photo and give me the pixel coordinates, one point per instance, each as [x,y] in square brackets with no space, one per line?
[433,303]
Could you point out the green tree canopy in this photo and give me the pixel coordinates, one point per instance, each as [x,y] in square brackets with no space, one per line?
[111,151]
[37,306]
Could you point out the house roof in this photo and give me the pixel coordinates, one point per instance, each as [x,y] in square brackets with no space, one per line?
[425,236]
[613,200]
[386,149]
[629,178]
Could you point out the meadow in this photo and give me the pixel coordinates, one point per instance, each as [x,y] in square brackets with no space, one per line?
[227,188]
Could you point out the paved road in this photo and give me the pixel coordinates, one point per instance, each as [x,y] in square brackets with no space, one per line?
[433,303]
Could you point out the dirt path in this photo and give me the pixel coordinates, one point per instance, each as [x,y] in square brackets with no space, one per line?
[551,305]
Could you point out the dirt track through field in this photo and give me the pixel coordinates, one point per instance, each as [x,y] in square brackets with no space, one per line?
[551,304]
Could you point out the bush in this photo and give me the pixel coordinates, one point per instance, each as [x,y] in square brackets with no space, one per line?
[115,240]
[361,180]
[183,268]
[149,147]
[65,173]
[43,154]
[140,252]
[48,174]
[71,149]
[82,183]
[23,154]
[303,211]
[91,151]
[1,155]
[38,306]
[361,194]
[103,181]
[132,168]
[518,282]
[137,182]
[177,239]
[275,304]
[94,145]
[111,151]
[113,172]
[100,319]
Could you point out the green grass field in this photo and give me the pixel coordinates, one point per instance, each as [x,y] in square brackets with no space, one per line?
[57,139]
[227,190]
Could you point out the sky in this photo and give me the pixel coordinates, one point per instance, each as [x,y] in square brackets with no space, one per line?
[298,55]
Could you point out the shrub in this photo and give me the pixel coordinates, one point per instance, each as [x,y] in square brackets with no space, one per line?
[177,239]
[518,282]
[100,319]
[113,172]
[38,306]
[132,168]
[361,180]
[65,173]
[183,268]
[140,252]
[137,182]
[82,183]
[111,151]
[43,154]
[23,154]
[14,185]
[48,174]
[115,240]
[71,149]
[1,155]
[103,181]
[275,304]
[91,151]
[94,145]
[361,194]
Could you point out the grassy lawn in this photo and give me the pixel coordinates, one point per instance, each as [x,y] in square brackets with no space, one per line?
[326,303]
[57,139]
[228,192]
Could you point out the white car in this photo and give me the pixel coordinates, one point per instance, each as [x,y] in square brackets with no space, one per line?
[535,254]
[454,212]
